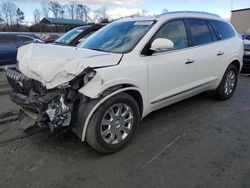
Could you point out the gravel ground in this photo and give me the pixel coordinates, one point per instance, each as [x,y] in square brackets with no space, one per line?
[199,142]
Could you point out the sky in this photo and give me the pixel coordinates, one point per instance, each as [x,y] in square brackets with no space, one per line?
[118,8]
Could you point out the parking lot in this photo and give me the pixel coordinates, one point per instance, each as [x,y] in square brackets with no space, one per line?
[199,142]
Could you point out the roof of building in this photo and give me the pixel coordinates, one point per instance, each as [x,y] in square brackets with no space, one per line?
[62,21]
[240,10]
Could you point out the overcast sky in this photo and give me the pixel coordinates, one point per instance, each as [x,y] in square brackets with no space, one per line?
[117,8]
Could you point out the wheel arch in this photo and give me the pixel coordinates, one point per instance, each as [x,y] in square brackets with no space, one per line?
[108,93]
[237,64]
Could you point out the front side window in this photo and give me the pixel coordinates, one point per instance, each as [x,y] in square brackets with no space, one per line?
[200,33]
[174,31]
[8,39]
[223,29]
[119,37]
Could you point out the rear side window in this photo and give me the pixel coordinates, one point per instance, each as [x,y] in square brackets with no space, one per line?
[174,31]
[199,30]
[223,29]
[8,39]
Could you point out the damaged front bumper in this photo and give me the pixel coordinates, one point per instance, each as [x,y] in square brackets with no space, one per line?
[43,106]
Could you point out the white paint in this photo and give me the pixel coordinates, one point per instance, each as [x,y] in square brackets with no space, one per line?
[54,65]
[160,76]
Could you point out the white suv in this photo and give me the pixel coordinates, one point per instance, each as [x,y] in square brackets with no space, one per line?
[125,71]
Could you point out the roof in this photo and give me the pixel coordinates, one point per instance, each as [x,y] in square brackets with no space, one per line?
[175,14]
[62,21]
[241,10]
[19,33]
[191,12]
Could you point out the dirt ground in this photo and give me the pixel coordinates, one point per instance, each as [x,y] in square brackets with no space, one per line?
[199,142]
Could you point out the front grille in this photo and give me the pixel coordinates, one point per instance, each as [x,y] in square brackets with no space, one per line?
[23,84]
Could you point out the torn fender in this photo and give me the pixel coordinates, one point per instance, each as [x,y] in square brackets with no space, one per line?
[99,84]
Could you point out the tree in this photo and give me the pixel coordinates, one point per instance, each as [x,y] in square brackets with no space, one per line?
[71,9]
[1,18]
[100,14]
[61,12]
[103,12]
[8,10]
[45,8]
[37,15]
[82,12]
[19,16]
[56,8]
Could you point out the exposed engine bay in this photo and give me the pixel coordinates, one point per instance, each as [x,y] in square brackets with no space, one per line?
[47,106]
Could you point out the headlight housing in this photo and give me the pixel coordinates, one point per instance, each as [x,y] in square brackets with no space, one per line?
[81,80]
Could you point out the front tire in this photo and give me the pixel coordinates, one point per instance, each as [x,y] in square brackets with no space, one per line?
[228,83]
[113,124]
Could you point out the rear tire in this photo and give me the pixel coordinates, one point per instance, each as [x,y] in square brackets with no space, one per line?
[228,83]
[113,124]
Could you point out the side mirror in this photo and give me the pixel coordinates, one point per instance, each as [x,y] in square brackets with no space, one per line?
[161,45]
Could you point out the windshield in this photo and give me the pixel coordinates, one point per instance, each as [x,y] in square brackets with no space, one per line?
[69,36]
[120,37]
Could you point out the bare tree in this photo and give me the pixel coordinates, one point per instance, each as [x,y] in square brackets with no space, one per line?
[100,14]
[61,12]
[71,9]
[19,16]
[82,12]
[37,15]
[1,18]
[45,8]
[8,10]
[103,12]
[55,8]
[96,15]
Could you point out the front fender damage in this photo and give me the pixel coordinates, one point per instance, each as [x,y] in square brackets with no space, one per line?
[94,88]
[53,107]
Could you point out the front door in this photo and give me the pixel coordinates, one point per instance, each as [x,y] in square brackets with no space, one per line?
[171,72]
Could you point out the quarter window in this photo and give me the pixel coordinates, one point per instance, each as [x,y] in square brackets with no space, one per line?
[174,31]
[200,33]
[223,29]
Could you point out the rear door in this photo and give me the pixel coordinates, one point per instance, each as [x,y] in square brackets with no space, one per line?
[8,49]
[206,50]
[226,47]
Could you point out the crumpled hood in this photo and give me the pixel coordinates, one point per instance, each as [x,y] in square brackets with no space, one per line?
[54,65]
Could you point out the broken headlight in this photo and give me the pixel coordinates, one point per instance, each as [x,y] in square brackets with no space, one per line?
[81,80]
[89,76]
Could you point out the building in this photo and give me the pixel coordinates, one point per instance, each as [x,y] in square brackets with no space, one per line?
[241,20]
[62,21]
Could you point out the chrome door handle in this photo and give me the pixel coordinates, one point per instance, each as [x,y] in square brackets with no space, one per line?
[220,53]
[189,61]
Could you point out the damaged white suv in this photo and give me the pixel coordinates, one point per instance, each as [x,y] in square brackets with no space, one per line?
[125,71]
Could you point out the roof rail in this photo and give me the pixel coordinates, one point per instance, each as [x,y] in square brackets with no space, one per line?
[193,12]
